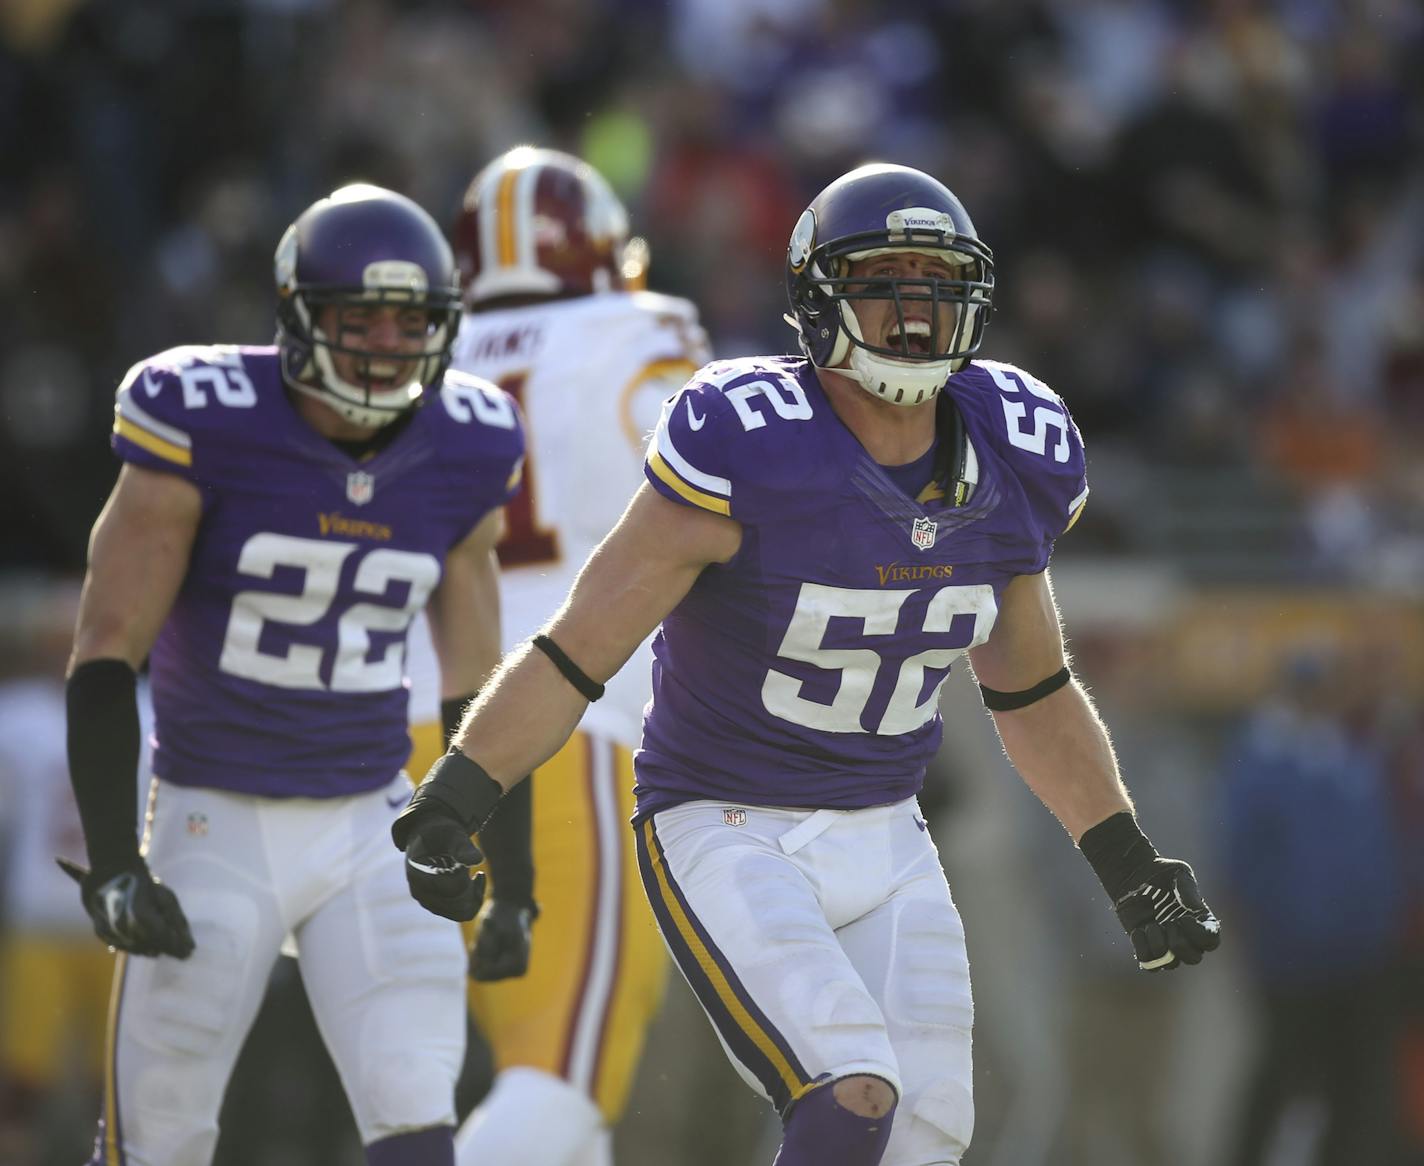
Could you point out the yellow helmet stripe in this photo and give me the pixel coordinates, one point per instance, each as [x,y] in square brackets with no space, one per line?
[506,219]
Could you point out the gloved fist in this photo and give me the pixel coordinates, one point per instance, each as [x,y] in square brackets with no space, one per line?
[1156,898]
[501,950]
[438,859]
[133,911]
[1166,917]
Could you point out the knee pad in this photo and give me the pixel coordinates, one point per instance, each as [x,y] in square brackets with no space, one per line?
[530,1118]
[934,1124]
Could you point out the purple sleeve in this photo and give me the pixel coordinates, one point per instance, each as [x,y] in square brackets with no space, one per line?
[687,460]
[483,440]
[1047,450]
[152,426]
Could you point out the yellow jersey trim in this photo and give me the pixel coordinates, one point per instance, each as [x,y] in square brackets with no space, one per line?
[794,1084]
[692,494]
[154,444]
[651,371]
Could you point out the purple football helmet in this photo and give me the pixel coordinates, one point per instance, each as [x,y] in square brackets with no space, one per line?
[359,247]
[876,209]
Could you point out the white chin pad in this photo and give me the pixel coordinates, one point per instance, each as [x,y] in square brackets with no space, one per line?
[379,407]
[897,381]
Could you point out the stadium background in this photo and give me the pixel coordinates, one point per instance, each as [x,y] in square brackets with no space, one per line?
[1209,226]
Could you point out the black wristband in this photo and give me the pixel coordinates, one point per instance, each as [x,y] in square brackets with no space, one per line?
[1117,850]
[506,838]
[102,734]
[459,789]
[1002,702]
[452,715]
[588,688]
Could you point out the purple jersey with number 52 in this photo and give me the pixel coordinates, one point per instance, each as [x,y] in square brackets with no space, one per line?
[280,668]
[806,671]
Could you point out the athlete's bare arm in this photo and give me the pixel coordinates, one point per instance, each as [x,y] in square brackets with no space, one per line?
[638,574]
[1058,744]
[464,611]
[138,557]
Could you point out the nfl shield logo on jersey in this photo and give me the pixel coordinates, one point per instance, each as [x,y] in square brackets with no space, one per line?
[360,487]
[734,816]
[922,534]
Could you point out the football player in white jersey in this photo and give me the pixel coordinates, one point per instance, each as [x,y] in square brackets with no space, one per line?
[555,316]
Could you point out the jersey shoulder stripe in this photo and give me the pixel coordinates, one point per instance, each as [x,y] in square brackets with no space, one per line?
[668,466]
[734,433]
[162,400]
[133,423]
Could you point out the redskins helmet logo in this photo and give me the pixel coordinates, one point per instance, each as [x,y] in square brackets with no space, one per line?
[803,238]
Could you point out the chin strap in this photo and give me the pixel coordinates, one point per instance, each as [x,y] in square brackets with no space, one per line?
[952,459]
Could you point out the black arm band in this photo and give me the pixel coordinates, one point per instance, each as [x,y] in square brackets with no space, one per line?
[1117,849]
[103,743]
[452,714]
[459,789]
[588,688]
[1002,702]
[506,839]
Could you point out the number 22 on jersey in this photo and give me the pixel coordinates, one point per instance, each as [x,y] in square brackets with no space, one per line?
[301,665]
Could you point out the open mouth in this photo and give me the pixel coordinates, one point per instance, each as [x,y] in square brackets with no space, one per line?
[914,339]
[387,374]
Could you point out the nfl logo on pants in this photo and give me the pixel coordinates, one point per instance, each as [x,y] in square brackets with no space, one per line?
[734,816]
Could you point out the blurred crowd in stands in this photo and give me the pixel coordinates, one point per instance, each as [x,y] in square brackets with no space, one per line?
[1208,217]
[1208,221]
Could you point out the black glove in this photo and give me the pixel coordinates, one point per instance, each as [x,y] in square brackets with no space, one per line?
[438,858]
[1156,898]
[453,801]
[132,910]
[501,950]
[1166,917]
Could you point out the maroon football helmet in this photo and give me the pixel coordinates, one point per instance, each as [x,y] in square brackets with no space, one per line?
[538,222]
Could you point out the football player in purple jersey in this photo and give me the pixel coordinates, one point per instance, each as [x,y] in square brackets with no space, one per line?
[819,538]
[281,515]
